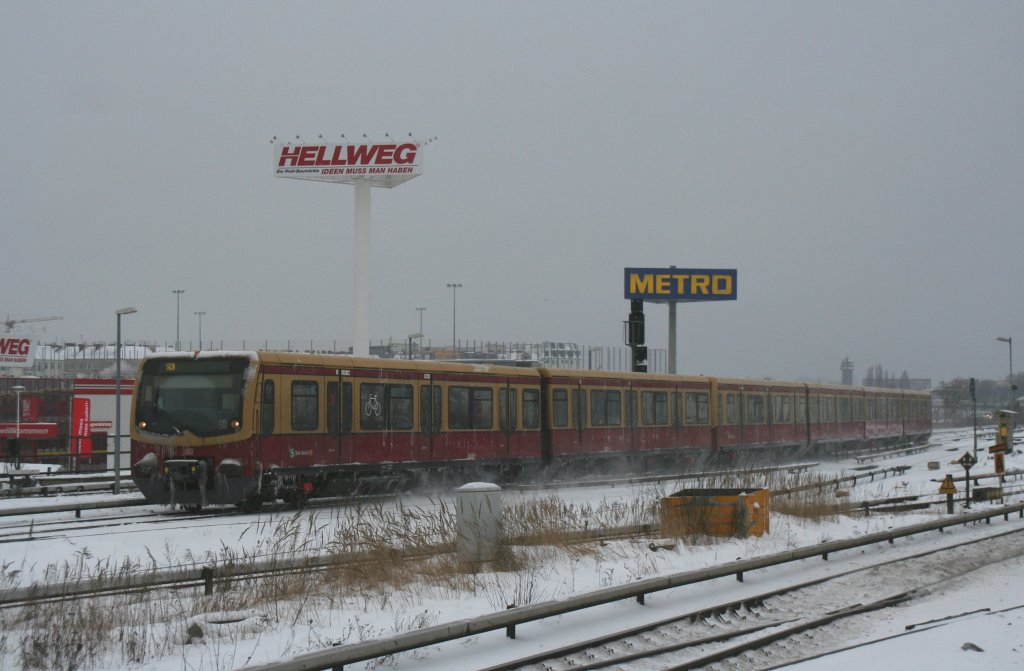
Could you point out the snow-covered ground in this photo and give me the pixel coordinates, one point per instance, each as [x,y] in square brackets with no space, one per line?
[269,633]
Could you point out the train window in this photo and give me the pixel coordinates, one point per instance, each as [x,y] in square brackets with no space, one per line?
[458,408]
[631,409]
[372,407]
[598,413]
[813,413]
[531,409]
[782,409]
[801,409]
[559,408]
[845,413]
[470,408]
[697,408]
[385,407]
[507,407]
[654,408]
[305,406]
[754,409]
[399,406]
[267,408]
[677,408]
[828,408]
[858,409]
[606,408]
[730,409]
[333,409]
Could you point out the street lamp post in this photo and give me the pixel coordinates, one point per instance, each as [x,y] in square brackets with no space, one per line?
[420,310]
[1013,387]
[117,403]
[177,322]
[17,424]
[453,286]
[201,313]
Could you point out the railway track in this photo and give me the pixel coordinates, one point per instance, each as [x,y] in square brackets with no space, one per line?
[777,628]
[761,630]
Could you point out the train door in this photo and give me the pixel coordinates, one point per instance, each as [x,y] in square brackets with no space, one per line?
[430,419]
[264,414]
[717,413]
[631,419]
[803,416]
[741,414]
[579,416]
[548,397]
[507,417]
[339,417]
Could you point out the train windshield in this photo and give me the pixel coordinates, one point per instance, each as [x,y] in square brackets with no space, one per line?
[202,396]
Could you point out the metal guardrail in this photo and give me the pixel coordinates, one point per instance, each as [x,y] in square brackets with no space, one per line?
[66,508]
[336,658]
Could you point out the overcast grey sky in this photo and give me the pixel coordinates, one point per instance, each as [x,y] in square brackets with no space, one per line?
[860,164]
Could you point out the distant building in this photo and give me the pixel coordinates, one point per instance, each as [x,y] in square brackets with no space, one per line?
[847,369]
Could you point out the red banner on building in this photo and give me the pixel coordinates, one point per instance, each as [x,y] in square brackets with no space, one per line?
[80,429]
[28,430]
[29,408]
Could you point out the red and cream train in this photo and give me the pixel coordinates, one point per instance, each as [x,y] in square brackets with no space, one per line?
[248,427]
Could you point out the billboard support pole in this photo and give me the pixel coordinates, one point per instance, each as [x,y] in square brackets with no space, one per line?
[361,328]
[672,338]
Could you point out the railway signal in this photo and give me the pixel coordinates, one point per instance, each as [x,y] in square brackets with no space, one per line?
[635,336]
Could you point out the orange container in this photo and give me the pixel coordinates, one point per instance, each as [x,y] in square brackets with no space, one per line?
[716,512]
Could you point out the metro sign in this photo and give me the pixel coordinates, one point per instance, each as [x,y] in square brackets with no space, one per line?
[382,165]
[680,285]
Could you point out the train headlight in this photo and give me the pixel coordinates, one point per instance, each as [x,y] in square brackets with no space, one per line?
[235,424]
[142,425]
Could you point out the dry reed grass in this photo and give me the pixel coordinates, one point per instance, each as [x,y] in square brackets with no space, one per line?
[370,558]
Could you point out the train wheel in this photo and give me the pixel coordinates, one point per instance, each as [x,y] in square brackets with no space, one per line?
[192,507]
[251,503]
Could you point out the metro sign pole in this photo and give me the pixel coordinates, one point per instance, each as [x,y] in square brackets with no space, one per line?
[381,164]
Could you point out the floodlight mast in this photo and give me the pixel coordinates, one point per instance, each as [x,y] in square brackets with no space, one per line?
[366,164]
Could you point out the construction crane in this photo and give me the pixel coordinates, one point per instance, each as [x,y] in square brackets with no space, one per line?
[9,323]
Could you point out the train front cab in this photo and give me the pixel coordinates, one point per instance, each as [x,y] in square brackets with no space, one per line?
[192,433]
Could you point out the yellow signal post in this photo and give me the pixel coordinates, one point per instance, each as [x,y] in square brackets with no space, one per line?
[1004,430]
[949,489]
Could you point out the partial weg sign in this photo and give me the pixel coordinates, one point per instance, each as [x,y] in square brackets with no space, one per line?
[16,350]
